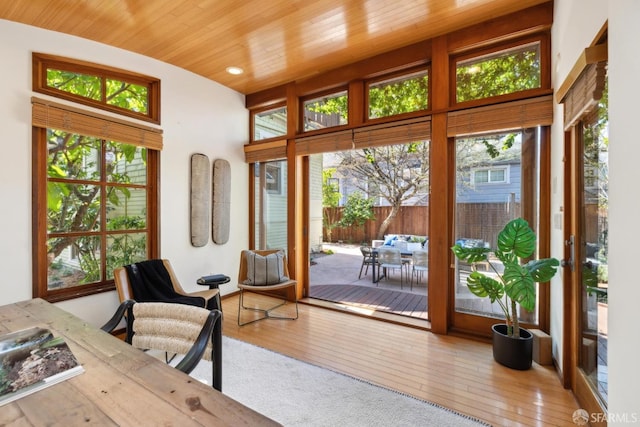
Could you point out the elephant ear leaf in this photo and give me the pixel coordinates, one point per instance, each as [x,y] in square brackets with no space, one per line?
[483,286]
[518,238]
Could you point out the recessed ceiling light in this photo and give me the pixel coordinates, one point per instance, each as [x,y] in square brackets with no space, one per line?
[235,70]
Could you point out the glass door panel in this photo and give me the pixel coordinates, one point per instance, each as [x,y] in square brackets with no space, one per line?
[497,180]
[594,240]
[270,205]
[359,200]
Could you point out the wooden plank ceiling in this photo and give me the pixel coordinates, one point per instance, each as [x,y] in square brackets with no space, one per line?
[274,41]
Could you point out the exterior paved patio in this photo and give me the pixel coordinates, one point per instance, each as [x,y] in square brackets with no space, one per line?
[334,278]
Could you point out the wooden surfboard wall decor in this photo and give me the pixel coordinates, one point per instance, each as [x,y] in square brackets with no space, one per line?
[221,207]
[200,199]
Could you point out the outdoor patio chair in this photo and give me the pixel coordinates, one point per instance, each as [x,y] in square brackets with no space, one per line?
[419,264]
[367,260]
[390,259]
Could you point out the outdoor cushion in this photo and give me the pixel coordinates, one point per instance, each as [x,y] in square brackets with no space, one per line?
[390,239]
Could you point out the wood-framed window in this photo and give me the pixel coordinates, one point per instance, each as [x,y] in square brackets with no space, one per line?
[95,196]
[501,71]
[325,111]
[107,88]
[398,93]
[269,123]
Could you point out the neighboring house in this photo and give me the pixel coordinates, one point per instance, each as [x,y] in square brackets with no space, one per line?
[499,182]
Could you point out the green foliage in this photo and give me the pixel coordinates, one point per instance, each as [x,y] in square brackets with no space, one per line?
[330,199]
[399,96]
[333,105]
[83,85]
[330,190]
[511,72]
[495,146]
[125,95]
[357,210]
[516,284]
[77,164]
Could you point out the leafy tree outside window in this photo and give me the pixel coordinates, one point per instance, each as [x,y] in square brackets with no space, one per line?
[399,95]
[499,73]
[398,173]
[96,204]
[326,111]
[118,91]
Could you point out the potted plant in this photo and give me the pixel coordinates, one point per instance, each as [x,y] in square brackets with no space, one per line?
[515,285]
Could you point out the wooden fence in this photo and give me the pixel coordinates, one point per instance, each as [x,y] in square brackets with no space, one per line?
[474,220]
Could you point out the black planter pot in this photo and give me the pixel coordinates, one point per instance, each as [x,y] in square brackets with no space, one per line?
[514,353]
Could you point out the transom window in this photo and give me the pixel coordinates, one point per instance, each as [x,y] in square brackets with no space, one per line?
[106,88]
[270,123]
[326,111]
[498,73]
[400,94]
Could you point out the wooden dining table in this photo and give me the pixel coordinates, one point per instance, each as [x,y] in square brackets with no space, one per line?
[121,385]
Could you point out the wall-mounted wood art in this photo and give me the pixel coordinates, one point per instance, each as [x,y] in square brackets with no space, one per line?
[200,199]
[221,207]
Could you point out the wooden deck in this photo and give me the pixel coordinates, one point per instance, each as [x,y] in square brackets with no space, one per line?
[373,298]
[454,372]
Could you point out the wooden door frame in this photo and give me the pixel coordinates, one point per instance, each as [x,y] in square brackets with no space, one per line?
[573,376]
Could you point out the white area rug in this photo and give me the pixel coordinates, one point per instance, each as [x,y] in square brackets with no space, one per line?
[295,393]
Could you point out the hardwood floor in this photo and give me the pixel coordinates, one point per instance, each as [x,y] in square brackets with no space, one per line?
[454,372]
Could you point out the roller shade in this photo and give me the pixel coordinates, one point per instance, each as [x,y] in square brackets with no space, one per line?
[325,143]
[46,114]
[584,94]
[401,132]
[266,151]
[507,116]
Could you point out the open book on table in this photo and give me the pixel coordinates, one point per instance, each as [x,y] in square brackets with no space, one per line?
[33,359]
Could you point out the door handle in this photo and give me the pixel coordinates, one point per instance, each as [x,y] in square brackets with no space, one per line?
[572,251]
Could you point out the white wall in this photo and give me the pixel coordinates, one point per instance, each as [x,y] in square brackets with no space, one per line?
[576,23]
[624,233]
[198,115]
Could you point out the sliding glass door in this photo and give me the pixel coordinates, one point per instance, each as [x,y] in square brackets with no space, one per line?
[358,200]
